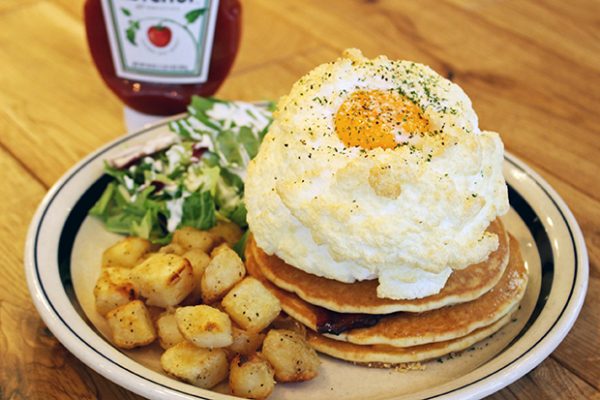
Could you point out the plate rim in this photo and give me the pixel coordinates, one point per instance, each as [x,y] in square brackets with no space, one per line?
[562,325]
[491,383]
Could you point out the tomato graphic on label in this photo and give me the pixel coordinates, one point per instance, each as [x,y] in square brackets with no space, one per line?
[160,36]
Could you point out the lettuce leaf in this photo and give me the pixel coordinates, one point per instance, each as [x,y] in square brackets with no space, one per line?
[199,211]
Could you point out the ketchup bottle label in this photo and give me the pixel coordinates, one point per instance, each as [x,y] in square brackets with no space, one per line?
[164,41]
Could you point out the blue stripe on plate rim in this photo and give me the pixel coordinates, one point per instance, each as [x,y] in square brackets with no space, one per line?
[79,211]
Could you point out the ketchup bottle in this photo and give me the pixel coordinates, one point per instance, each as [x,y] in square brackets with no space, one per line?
[155,54]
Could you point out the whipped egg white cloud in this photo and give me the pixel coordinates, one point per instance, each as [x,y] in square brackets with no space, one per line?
[377,169]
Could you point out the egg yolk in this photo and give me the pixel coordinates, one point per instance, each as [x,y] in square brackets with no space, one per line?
[379,118]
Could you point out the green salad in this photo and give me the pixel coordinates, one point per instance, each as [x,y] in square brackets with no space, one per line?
[196,180]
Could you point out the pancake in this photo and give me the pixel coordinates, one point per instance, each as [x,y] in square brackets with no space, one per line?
[411,329]
[388,356]
[361,297]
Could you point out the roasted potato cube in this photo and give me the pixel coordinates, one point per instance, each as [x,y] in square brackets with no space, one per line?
[114,288]
[131,325]
[125,253]
[251,377]
[251,305]
[221,247]
[199,261]
[290,355]
[192,238]
[164,279]
[204,326]
[224,270]
[168,332]
[172,248]
[227,232]
[245,342]
[201,367]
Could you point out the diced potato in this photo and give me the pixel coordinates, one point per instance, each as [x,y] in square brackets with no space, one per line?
[125,253]
[164,279]
[168,332]
[131,325]
[245,342]
[290,355]
[227,232]
[201,367]
[251,305]
[221,247]
[204,326]
[224,270]
[199,261]
[114,288]
[251,377]
[192,238]
[172,248]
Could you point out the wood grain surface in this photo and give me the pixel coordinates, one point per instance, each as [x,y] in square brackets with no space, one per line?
[531,68]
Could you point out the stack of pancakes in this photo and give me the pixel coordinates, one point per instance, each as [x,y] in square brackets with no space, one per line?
[349,321]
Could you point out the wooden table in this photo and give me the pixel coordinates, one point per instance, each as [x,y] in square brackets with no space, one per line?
[532,70]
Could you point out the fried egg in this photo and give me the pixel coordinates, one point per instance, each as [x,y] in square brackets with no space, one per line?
[377,169]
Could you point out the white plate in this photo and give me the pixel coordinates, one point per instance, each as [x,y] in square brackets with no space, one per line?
[62,262]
